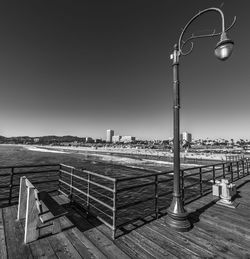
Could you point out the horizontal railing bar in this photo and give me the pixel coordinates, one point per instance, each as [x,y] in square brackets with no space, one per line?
[90,196]
[86,180]
[39,182]
[68,166]
[92,205]
[134,186]
[191,185]
[36,172]
[204,166]
[98,175]
[134,203]
[105,222]
[5,174]
[165,181]
[28,166]
[79,197]
[141,176]
[91,173]
[193,174]
[64,188]
[101,194]
[62,192]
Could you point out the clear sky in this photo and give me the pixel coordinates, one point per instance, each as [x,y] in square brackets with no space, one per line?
[81,67]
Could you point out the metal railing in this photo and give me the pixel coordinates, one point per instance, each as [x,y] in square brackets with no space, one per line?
[94,192]
[43,175]
[119,201]
[116,202]
[198,181]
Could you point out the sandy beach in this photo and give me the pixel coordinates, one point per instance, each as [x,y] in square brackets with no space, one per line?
[129,151]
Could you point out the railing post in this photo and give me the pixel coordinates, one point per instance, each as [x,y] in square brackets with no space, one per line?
[88,192]
[201,190]
[114,209]
[71,184]
[59,178]
[156,197]
[238,169]
[243,167]
[11,184]
[247,165]
[213,174]
[223,170]
[231,170]
[182,187]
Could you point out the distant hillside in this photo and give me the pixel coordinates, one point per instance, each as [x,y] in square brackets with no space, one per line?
[46,140]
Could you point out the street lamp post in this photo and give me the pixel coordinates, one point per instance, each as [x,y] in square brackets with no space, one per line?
[177,217]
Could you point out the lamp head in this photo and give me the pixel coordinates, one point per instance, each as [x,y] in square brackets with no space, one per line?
[224,47]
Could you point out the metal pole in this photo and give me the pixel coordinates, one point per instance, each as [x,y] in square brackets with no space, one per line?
[177,217]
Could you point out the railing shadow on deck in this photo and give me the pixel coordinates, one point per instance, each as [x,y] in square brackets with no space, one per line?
[122,204]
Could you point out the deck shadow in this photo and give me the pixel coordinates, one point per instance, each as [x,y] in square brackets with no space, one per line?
[242,184]
[194,216]
[78,216]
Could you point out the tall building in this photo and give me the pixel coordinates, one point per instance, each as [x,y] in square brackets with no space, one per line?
[187,137]
[110,134]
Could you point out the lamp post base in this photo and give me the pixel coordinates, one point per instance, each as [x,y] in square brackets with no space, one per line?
[177,217]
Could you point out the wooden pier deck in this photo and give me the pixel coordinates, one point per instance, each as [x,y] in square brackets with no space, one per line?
[218,232]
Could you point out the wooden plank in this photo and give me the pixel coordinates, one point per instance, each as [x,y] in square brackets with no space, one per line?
[22,200]
[3,248]
[14,235]
[133,249]
[99,240]
[83,245]
[177,243]
[221,223]
[150,246]
[63,247]
[40,248]
[105,244]
[238,246]
[230,212]
[31,217]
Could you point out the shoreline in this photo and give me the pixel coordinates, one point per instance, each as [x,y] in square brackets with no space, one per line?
[128,151]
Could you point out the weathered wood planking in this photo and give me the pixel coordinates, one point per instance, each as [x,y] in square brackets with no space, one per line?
[218,232]
[81,243]
[14,235]
[101,242]
[3,249]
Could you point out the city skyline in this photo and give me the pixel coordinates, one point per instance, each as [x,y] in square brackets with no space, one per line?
[78,69]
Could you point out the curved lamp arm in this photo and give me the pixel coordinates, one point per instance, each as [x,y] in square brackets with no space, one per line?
[181,43]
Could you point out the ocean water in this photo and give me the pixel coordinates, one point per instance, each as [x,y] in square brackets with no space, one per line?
[105,164]
[113,165]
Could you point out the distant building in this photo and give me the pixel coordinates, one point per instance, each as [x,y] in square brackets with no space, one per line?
[89,140]
[127,139]
[116,139]
[187,137]
[110,134]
